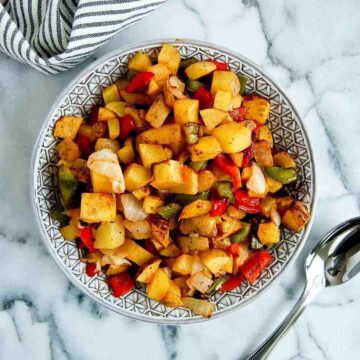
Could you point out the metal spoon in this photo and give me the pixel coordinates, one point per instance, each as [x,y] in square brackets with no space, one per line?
[333,261]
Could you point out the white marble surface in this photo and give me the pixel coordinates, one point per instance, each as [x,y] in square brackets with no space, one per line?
[312,49]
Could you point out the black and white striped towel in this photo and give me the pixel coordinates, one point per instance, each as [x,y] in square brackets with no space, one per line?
[55,35]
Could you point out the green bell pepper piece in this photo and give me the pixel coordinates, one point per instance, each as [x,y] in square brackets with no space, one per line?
[224,190]
[280,174]
[243,81]
[198,165]
[59,215]
[67,185]
[169,211]
[192,85]
[185,199]
[216,285]
[186,62]
[242,234]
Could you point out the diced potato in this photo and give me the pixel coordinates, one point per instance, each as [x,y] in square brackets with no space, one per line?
[284,159]
[196,208]
[206,179]
[232,137]
[167,175]
[267,204]
[173,296]
[139,62]
[257,108]
[80,170]
[191,244]
[228,227]
[235,213]
[186,110]
[68,150]
[152,153]
[225,81]
[147,271]
[207,148]
[104,114]
[158,112]
[159,285]
[199,69]
[214,259]
[70,232]
[98,130]
[262,153]
[221,243]
[138,230]
[67,127]
[222,100]
[158,246]
[200,282]
[202,225]
[171,251]
[219,174]
[104,143]
[97,207]
[272,185]
[151,203]
[283,203]
[170,57]
[265,134]
[142,192]
[103,184]
[133,98]
[228,267]
[137,115]
[134,252]
[296,216]
[160,230]
[126,154]
[189,184]
[114,128]
[161,73]
[114,269]
[154,88]
[183,264]
[136,176]
[110,235]
[212,117]
[199,307]
[268,233]
[237,158]
[117,107]
[236,101]
[167,134]
[111,94]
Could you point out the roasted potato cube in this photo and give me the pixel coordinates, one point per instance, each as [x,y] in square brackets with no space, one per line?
[196,208]
[267,204]
[67,127]
[199,307]
[183,264]
[236,101]
[225,81]
[186,110]
[133,98]
[126,154]
[103,143]
[111,94]
[139,62]
[173,296]
[214,259]
[134,252]
[228,267]
[158,112]
[152,153]
[199,69]
[159,285]
[189,184]
[191,244]
[117,107]
[212,117]
[222,100]
[103,184]
[80,170]
[167,175]
[232,137]
[97,207]
[284,159]
[114,128]
[237,158]
[207,148]
[136,176]
[257,108]
[272,185]
[68,150]
[70,232]
[235,213]
[268,233]
[160,230]
[296,216]
[265,134]
[151,203]
[167,134]
[206,179]
[154,89]
[161,72]
[170,57]
[262,153]
[142,192]
[147,271]
[202,225]
[171,251]
[283,203]
[200,282]
[104,114]
[110,234]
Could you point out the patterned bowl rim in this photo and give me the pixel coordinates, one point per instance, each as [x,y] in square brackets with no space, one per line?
[91,67]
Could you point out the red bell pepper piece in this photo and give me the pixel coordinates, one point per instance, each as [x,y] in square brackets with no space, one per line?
[220,65]
[127,124]
[84,145]
[93,115]
[140,82]
[248,155]
[87,238]
[244,202]
[218,207]
[205,98]
[120,284]
[234,249]
[238,114]
[226,165]
[255,264]
[91,269]
[232,283]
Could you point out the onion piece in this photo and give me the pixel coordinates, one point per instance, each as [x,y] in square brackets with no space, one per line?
[139,229]
[275,217]
[133,210]
[256,182]
[115,260]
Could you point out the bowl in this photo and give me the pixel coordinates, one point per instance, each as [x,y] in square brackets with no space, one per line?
[83,93]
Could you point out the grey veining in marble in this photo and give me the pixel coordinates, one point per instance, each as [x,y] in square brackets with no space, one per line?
[312,49]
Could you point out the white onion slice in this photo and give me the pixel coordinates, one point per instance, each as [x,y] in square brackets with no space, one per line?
[133,210]
[275,218]
[257,182]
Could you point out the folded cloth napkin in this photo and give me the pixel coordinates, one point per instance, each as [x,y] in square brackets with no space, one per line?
[55,35]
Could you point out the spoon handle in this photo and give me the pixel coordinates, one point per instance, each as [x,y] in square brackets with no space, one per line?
[262,352]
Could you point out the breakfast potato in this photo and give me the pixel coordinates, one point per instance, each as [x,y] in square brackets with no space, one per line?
[214,259]
[257,108]
[237,158]
[191,244]
[170,57]
[283,203]
[103,184]
[236,102]
[141,192]
[206,179]
[235,213]
[265,134]
[111,94]
[151,204]
[186,111]
[97,207]
[139,62]
[203,225]
[284,159]
[268,233]
[207,148]
[173,296]
[228,267]
[167,175]
[183,264]
[161,72]
[104,143]
[126,154]
[152,153]
[147,271]
[159,285]
[110,234]
[114,269]
[160,230]
[136,176]
[268,205]
[67,127]
[200,282]
[296,216]
[232,137]
[117,107]
[104,114]
[196,208]
[199,69]
[134,252]
[158,112]
[225,81]
[68,150]
[222,100]
[198,307]
[154,89]
[262,153]
[114,128]
[137,115]
[213,117]
[165,135]
[70,232]
[170,251]
[133,98]
[189,184]
[272,185]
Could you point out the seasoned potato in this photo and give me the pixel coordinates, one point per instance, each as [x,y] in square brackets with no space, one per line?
[136,176]
[103,184]
[272,185]
[142,192]
[151,203]
[104,143]
[296,216]
[114,128]
[267,204]
[160,230]
[228,267]
[262,153]
[104,114]
[133,98]
[154,89]
[189,184]
[265,134]
[212,117]
[257,108]
[134,252]
[67,127]
[268,233]
[117,107]
[110,234]
[203,225]
[200,282]
[283,203]
[214,259]
[97,207]
[235,213]
[170,57]
[167,134]
[68,150]
[183,264]
[159,285]
[225,81]
[232,137]
[284,159]
[161,73]
[111,94]
[171,251]
[222,100]
[167,175]
[152,153]
[139,62]
[173,296]
[199,69]
[117,269]
[147,271]
[207,148]
[126,154]
[199,307]
[206,179]
[196,208]
[236,102]
[191,244]
[186,110]
[70,232]
[237,158]
[158,112]
[80,170]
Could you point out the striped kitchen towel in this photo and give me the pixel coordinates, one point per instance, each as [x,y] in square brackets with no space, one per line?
[55,35]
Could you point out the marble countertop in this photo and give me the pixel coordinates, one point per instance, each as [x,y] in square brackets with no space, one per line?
[312,50]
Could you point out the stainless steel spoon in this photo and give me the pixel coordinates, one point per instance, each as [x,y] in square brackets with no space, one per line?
[333,261]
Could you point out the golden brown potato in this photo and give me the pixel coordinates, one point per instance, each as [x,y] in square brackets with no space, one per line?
[268,233]
[147,271]
[67,127]
[183,264]
[173,296]
[186,110]
[165,135]
[196,208]
[111,94]
[126,154]
[199,69]
[158,112]
[114,128]
[160,230]
[152,153]
[257,108]
[151,204]
[296,216]
[170,57]
[97,207]
[104,143]
[189,184]
[262,153]
[159,285]
[212,117]
[104,114]
[206,179]
[225,81]
[139,62]
[110,234]
[167,175]
[68,150]
[136,176]
[70,232]
[171,251]
[207,148]
[191,244]
[222,100]
[203,225]
[284,159]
